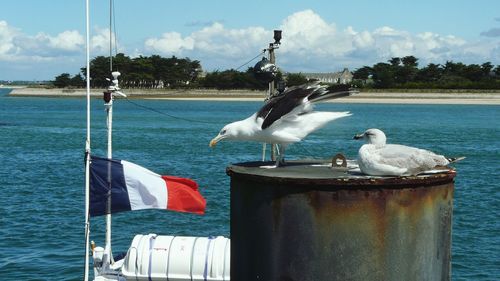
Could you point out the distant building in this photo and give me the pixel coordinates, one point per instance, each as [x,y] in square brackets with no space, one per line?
[342,77]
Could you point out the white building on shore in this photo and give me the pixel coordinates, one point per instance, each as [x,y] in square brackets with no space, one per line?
[341,77]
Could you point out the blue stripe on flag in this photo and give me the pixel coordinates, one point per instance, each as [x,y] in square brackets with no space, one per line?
[107,179]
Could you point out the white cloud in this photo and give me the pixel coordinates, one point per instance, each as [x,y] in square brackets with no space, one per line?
[42,56]
[16,46]
[170,43]
[213,42]
[303,30]
[68,40]
[330,48]
[311,44]
[362,39]
[7,34]
[387,31]
[99,42]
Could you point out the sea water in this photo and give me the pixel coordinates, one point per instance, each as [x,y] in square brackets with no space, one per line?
[42,144]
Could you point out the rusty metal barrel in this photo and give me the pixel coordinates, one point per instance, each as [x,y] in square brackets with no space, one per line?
[309,221]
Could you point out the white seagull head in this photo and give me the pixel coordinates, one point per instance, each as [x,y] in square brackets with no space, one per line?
[230,131]
[372,136]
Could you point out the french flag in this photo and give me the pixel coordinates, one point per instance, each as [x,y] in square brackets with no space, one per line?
[127,186]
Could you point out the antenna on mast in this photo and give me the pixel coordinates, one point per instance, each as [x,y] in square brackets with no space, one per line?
[266,71]
[110,35]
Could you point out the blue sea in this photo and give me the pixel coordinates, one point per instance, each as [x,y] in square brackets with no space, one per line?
[42,144]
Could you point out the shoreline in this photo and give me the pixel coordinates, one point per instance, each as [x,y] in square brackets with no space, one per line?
[247,95]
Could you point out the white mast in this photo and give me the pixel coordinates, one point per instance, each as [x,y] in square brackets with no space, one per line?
[87,149]
[107,248]
[112,89]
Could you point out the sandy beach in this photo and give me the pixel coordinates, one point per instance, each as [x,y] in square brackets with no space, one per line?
[245,95]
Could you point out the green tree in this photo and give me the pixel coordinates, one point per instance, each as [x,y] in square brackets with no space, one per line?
[383,75]
[77,81]
[487,67]
[122,64]
[145,72]
[362,73]
[232,79]
[295,79]
[408,71]
[473,72]
[99,71]
[410,61]
[497,71]
[395,61]
[453,69]
[62,80]
[431,73]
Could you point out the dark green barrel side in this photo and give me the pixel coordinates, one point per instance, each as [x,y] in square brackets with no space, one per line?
[309,222]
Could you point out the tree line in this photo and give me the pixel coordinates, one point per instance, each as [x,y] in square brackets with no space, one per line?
[171,73]
[158,72]
[174,73]
[404,73]
[141,72]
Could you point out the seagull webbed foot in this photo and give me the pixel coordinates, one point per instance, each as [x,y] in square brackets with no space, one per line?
[280,160]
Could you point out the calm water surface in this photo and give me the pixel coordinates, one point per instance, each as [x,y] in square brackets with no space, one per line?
[42,181]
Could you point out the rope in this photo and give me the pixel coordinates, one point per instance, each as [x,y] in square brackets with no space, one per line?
[261,53]
[182,118]
[169,115]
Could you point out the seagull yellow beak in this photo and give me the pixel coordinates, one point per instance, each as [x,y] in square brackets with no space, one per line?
[357,137]
[214,141]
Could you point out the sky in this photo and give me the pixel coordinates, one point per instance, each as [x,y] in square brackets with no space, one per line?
[42,39]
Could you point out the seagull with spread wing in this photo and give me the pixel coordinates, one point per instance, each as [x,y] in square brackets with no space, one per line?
[286,118]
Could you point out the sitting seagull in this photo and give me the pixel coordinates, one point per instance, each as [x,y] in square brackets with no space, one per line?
[376,158]
[286,118]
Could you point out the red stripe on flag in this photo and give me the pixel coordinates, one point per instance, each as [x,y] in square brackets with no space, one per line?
[183,195]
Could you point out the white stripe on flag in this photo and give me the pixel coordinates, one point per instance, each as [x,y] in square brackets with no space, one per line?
[146,189]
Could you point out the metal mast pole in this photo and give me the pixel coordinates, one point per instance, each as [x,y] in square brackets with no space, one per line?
[272,85]
[109,111]
[87,149]
[272,59]
[108,98]
[107,247]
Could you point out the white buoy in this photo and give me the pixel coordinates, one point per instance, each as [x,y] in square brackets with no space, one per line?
[177,258]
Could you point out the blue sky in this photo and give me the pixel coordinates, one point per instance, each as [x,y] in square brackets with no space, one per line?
[41,39]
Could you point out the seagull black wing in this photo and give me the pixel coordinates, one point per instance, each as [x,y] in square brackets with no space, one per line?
[331,92]
[280,105]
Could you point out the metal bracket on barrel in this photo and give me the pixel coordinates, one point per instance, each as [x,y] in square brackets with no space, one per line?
[339,162]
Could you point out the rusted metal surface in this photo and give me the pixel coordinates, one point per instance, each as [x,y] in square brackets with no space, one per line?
[311,222]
